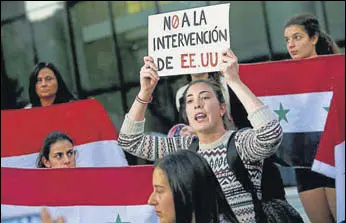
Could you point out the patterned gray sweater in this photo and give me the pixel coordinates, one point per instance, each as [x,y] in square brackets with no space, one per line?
[253,146]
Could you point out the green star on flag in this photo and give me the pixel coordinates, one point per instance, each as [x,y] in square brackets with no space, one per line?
[118,220]
[326,108]
[282,113]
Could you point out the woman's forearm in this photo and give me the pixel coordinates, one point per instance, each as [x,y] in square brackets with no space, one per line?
[264,138]
[138,108]
[249,100]
[229,67]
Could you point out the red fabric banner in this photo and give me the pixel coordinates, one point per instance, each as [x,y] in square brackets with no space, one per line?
[76,186]
[23,130]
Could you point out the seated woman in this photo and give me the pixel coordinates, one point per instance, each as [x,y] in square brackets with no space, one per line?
[47,87]
[57,152]
[187,190]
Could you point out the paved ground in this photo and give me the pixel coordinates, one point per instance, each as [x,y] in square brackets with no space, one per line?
[293,198]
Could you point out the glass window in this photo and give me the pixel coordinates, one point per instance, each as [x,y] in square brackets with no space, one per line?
[249,40]
[95,47]
[335,11]
[101,63]
[119,9]
[41,10]
[51,35]
[112,102]
[278,13]
[91,12]
[138,6]
[18,53]
[170,6]
[10,9]
[131,27]
[218,2]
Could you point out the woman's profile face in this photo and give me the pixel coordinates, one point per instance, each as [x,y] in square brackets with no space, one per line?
[203,109]
[162,198]
[46,83]
[61,155]
[298,42]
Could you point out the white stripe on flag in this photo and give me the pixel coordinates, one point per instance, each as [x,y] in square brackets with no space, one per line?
[106,153]
[324,168]
[82,195]
[304,112]
[81,214]
[340,181]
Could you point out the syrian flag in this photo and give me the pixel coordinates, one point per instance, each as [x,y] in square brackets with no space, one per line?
[69,192]
[300,93]
[333,139]
[85,121]
[80,195]
[308,97]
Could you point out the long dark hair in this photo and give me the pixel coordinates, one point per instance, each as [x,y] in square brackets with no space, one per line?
[195,188]
[62,95]
[325,44]
[52,138]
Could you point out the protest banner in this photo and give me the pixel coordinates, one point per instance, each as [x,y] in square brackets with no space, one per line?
[85,194]
[308,97]
[85,121]
[189,41]
[80,195]
[300,94]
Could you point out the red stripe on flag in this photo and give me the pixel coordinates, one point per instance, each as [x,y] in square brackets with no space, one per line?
[292,76]
[76,186]
[334,131]
[23,130]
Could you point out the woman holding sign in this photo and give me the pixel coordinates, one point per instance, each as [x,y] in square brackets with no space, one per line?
[204,108]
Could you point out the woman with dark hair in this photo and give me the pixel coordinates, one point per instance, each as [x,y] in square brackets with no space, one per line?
[186,190]
[215,77]
[305,39]
[46,86]
[204,109]
[57,152]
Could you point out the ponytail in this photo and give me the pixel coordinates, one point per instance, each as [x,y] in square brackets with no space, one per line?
[326,45]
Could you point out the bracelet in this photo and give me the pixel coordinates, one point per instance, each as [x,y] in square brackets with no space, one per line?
[143,101]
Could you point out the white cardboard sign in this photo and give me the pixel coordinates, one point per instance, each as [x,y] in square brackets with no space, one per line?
[189,41]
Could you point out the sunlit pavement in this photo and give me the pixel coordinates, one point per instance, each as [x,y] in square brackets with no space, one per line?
[293,198]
